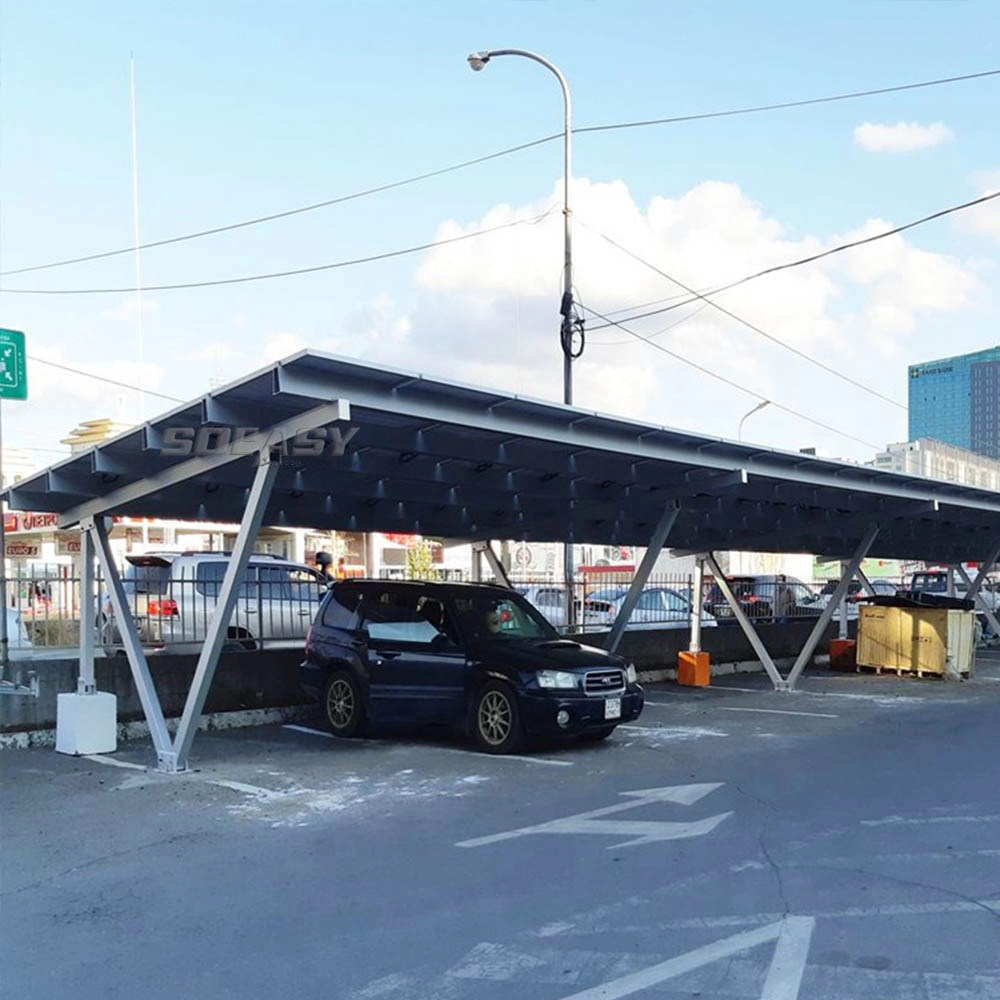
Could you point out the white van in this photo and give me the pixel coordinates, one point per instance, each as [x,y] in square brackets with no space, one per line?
[173,596]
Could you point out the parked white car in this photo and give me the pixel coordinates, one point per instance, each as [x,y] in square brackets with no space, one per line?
[173,596]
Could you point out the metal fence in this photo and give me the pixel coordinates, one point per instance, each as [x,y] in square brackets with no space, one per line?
[275,608]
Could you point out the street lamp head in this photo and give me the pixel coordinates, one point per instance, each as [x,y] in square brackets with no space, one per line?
[477,60]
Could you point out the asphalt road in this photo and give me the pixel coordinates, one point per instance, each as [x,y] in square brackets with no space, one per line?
[839,843]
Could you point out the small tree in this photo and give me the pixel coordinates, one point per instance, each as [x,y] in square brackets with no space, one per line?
[420,561]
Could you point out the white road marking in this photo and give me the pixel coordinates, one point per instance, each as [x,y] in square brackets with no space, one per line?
[784,977]
[467,753]
[778,711]
[641,831]
[792,934]
[111,762]
[312,732]
[498,756]
[921,821]
[674,732]
[852,912]
[239,786]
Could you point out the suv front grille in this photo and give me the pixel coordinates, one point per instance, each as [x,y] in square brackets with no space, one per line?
[604,682]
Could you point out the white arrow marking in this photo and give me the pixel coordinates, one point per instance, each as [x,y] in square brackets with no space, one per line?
[792,936]
[642,831]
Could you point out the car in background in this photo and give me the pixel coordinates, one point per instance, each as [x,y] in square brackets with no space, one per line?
[173,597]
[17,634]
[550,600]
[764,597]
[472,656]
[856,594]
[657,607]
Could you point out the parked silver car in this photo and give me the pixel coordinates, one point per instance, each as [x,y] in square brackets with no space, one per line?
[657,607]
[173,596]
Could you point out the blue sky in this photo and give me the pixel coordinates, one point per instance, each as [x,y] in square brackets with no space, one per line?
[246,109]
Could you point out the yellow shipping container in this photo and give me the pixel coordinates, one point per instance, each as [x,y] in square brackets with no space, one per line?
[916,640]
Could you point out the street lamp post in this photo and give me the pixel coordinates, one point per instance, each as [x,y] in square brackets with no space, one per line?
[759,406]
[477,61]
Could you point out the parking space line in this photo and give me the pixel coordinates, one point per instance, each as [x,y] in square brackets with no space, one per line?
[779,711]
[499,756]
[239,786]
[312,732]
[111,762]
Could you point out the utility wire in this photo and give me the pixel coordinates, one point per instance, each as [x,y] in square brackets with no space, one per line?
[102,378]
[731,383]
[695,296]
[789,104]
[290,212]
[391,185]
[750,326]
[284,274]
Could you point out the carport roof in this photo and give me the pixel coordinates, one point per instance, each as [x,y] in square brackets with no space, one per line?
[436,458]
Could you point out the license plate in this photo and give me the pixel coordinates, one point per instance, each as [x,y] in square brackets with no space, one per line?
[723,612]
[613,708]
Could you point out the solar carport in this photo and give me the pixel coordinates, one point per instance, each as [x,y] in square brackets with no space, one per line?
[318,441]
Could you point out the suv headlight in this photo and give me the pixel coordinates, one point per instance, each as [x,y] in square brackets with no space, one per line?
[557,679]
[631,676]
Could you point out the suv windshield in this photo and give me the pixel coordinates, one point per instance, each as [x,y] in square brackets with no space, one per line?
[490,616]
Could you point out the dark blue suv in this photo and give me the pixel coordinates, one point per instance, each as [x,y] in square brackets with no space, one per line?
[469,655]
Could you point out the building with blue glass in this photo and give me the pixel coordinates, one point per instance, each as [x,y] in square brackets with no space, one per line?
[957,400]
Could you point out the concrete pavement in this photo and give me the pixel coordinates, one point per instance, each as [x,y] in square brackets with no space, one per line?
[838,843]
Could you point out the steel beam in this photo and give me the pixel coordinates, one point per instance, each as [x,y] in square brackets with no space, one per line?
[485,548]
[697,604]
[975,595]
[824,619]
[130,640]
[748,630]
[218,625]
[984,570]
[656,542]
[191,468]
[86,682]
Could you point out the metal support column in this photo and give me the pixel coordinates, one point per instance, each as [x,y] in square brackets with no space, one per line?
[697,604]
[218,626]
[748,630]
[486,549]
[984,570]
[974,595]
[656,542]
[842,625]
[824,619]
[94,526]
[866,584]
[951,581]
[477,565]
[86,682]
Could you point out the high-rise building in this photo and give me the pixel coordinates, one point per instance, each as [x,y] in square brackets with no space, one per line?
[957,400]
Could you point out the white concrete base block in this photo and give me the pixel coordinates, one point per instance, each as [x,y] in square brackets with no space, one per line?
[86,723]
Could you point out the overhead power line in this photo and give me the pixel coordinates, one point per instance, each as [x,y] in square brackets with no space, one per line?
[695,296]
[788,104]
[464,164]
[744,322]
[733,385]
[243,279]
[101,378]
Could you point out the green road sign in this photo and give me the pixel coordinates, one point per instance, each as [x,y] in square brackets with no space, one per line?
[13,365]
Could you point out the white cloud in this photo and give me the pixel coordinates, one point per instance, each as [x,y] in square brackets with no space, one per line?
[488,313]
[903,137]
